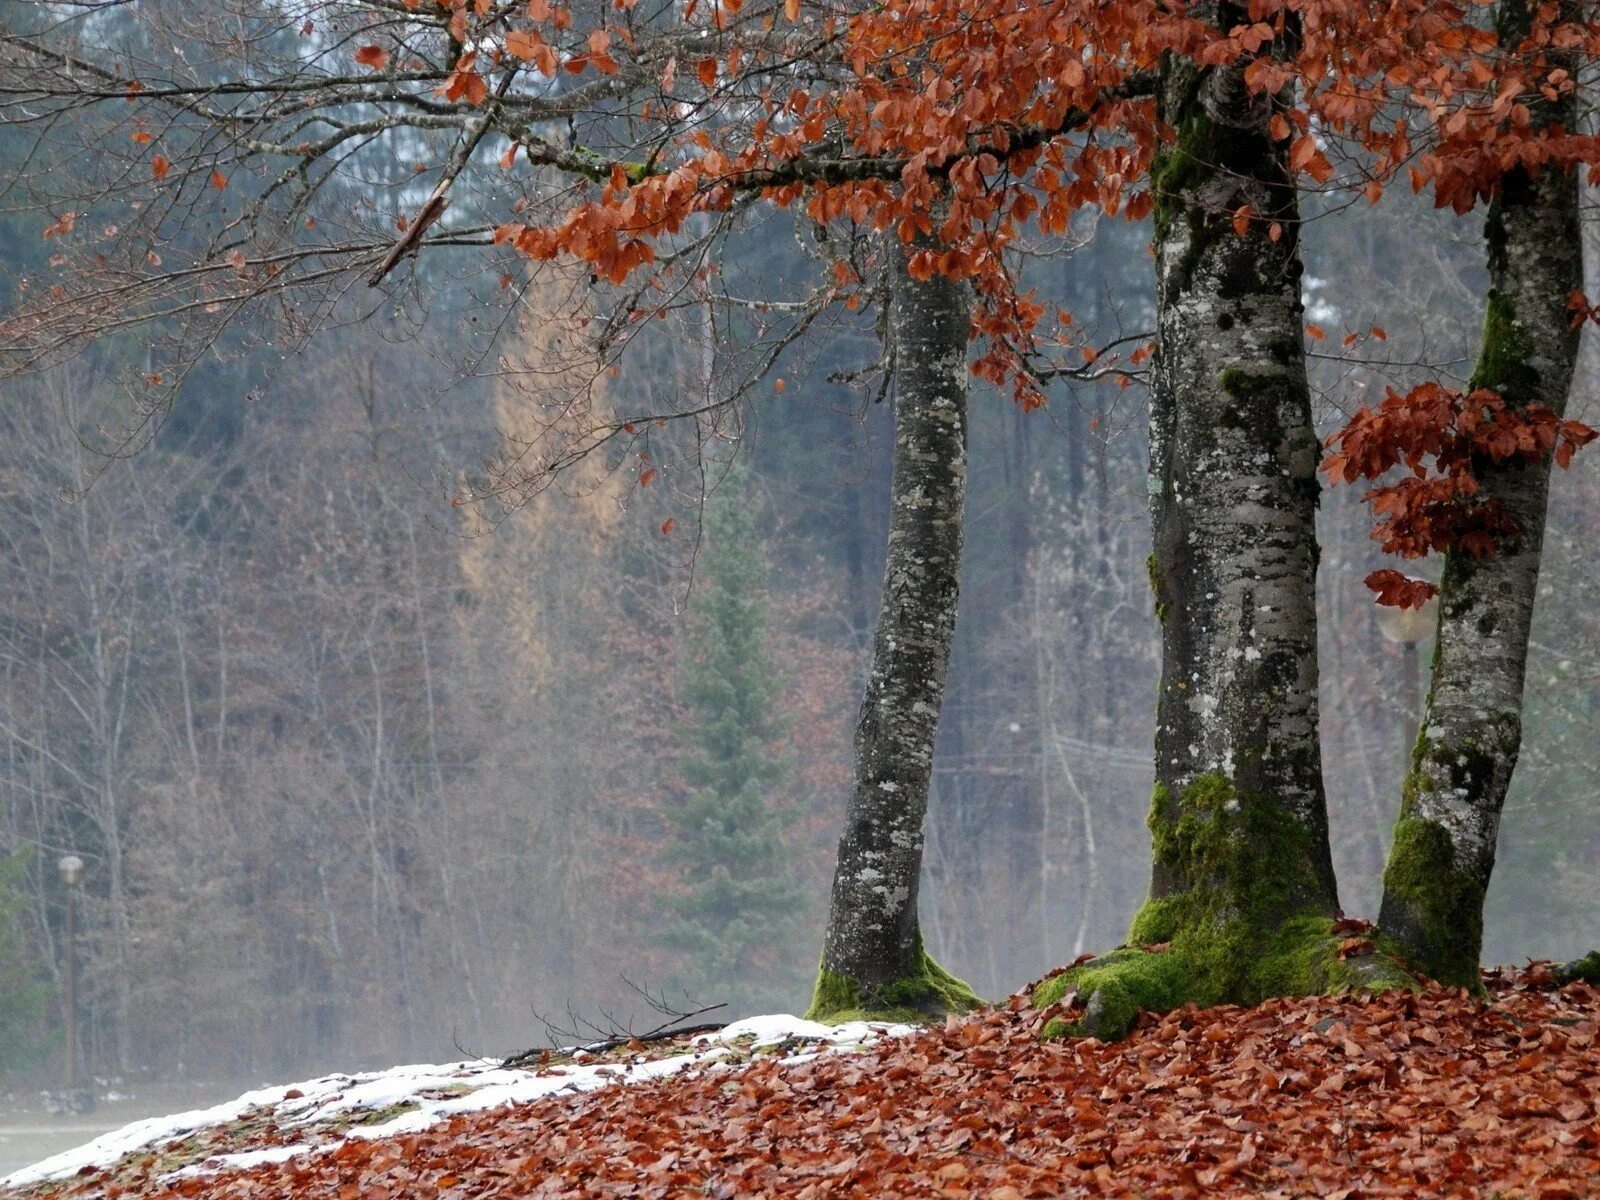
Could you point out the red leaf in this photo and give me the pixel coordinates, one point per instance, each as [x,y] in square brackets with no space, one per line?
[1396,590]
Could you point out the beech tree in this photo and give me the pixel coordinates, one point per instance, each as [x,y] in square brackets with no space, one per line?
[1242,889]
[873,959]
[1444,842]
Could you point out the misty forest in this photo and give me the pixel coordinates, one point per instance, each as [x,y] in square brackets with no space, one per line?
[524,523]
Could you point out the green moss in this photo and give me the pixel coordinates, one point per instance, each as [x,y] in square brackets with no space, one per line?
[1505,358]
[1229,856]
[377,1116]
[1300,958]
[597,167]
[1114,990]
[1163,609]
[1432,908]
[1177,173]
[1184,169]
[1236,382]
[1586,969]
[929,992]
[1239,919]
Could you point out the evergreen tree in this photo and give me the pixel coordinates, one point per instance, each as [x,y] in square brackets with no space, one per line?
[736,918]
[23,990]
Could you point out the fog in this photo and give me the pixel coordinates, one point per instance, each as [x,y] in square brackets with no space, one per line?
[361,776]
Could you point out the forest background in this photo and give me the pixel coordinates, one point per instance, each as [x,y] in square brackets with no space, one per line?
[361,776]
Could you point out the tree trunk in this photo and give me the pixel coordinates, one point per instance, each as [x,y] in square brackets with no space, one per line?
[1242,891]
[1233,477]
[1444,842]
[873,959]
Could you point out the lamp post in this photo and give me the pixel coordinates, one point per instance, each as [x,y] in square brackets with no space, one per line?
[70,868]
[1409,628]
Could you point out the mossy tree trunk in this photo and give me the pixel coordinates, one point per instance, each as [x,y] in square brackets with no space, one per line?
[1233,472]
[1242,892]
[1444,842]
[873,961]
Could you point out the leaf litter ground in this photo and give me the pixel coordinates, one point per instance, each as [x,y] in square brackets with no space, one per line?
[1431,1094]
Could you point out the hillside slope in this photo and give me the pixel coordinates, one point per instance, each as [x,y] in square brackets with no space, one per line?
[1435,1094]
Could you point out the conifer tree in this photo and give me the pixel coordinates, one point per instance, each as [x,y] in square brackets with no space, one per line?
[735,921]
[22,987]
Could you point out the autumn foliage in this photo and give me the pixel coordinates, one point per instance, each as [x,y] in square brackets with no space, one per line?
[976,128]
[974,131]
[1438,436]
[1413,1095]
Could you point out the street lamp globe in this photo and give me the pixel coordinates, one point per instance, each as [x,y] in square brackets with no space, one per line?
[1408,626]
[70,868]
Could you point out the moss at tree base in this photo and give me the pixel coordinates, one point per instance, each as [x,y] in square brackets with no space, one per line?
[1585,969]
[1242,915]
[928,993]
[1302,958]
[1431,906]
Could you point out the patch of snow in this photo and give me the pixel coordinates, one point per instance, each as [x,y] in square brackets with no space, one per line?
[454,1087]
[109,1147]
[246,1158]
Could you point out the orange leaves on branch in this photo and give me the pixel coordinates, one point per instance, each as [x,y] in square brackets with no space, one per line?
[464,83]
[1031,116]
[1582,312]
[375,57]
[160,164]
[1304,155]
[1442,438]
[523,43]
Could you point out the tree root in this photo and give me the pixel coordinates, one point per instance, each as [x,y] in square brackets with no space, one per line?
[1103,997]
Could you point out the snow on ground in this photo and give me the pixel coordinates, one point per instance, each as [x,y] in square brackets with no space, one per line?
[435,1092]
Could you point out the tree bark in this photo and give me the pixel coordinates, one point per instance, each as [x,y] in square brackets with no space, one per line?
[1242,893]
[873,959]
[1444,841]
[1233,477]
